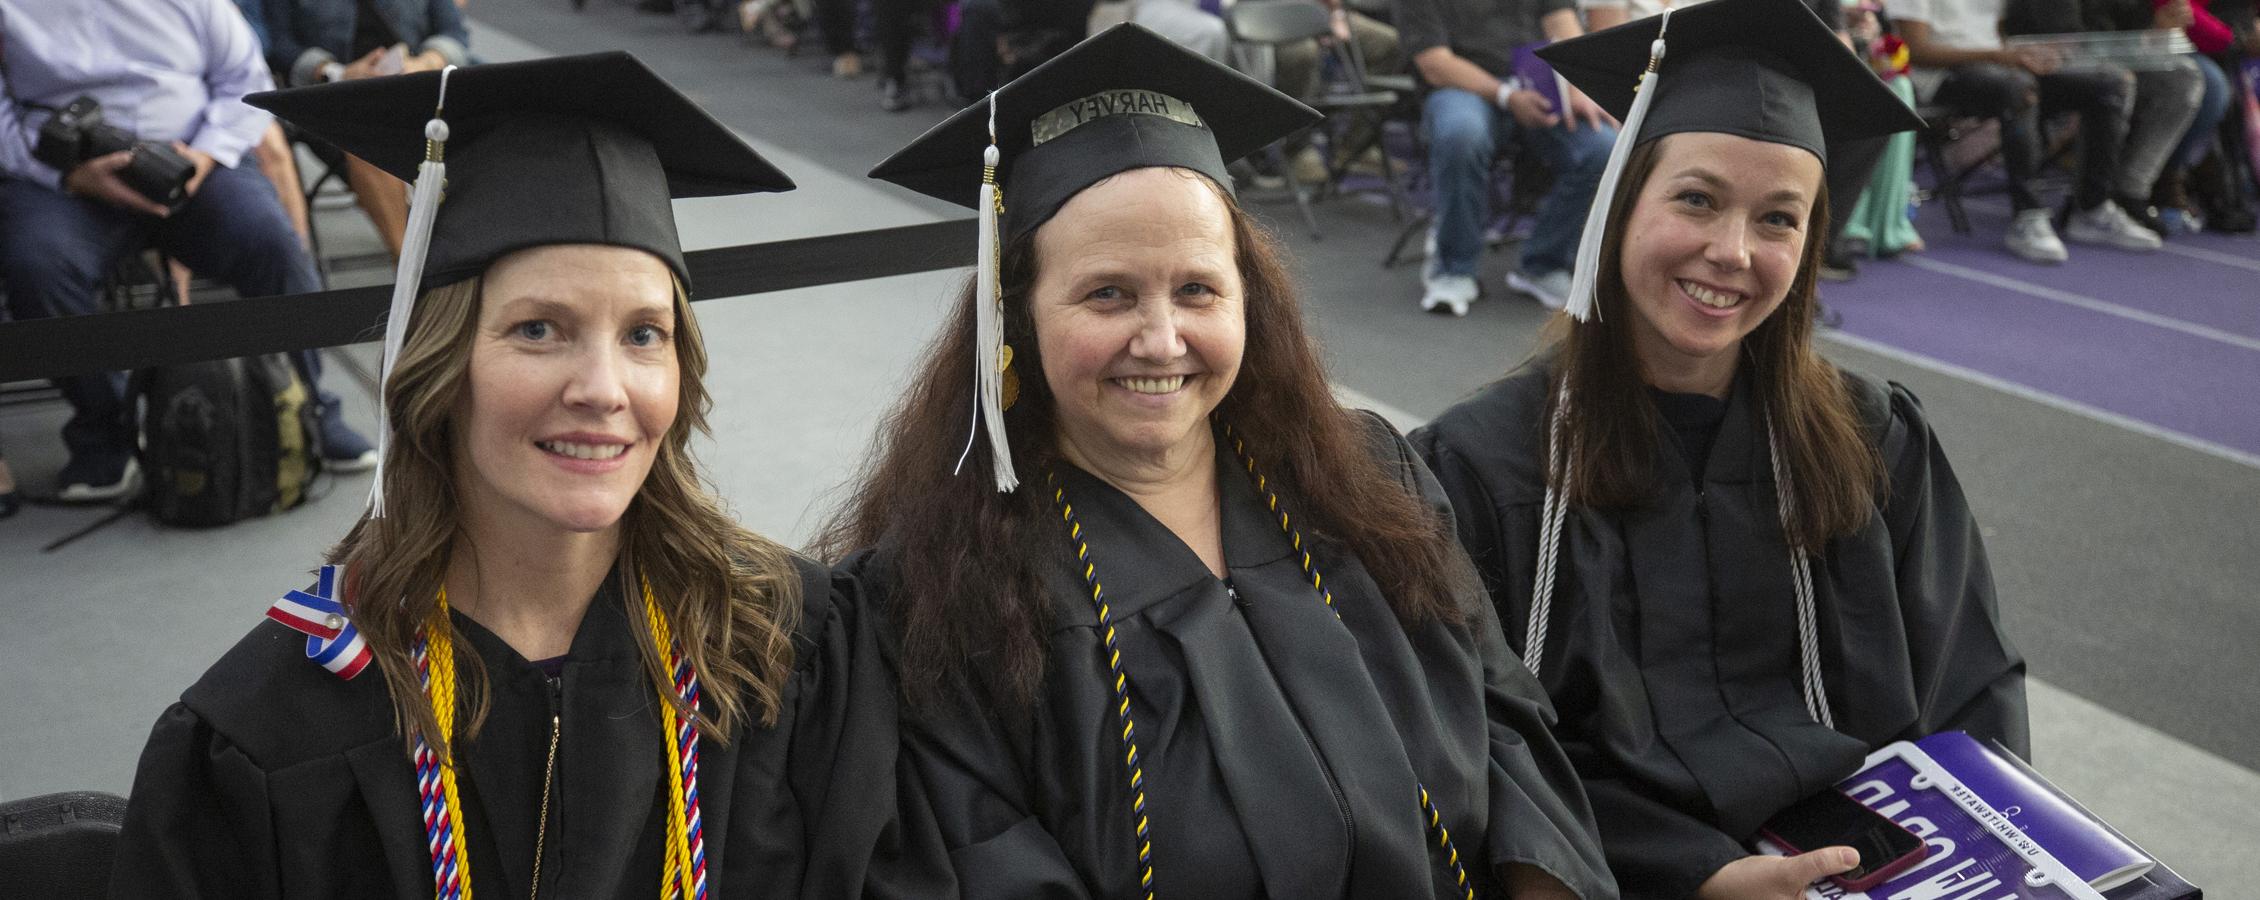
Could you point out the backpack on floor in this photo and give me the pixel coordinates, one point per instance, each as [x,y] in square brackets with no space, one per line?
[226,440]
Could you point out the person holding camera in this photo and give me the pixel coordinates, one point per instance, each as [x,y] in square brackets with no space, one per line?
[122,127]
[320,41]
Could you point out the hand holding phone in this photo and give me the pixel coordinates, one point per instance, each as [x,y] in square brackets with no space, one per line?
[1775,877]
[1830,819]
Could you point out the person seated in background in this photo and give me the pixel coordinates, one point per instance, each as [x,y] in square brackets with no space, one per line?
[1298,67]
[318,41]
[181,67]
[999,40]
[1878,225]
[1464,52]
[2195,158]
[1958,57]
[2165,88]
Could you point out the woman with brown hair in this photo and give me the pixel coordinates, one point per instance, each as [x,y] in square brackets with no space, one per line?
[1736,568]
[545,661]
[1190,628]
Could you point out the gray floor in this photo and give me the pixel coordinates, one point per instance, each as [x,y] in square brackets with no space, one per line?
[2123,561]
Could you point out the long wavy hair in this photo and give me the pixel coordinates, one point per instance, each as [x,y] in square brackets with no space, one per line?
[1615,431]
[731,597]
[968,604]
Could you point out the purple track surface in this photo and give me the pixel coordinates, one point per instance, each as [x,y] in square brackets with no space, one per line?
[2204,385]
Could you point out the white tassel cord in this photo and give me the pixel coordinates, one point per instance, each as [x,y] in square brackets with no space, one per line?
[1801,578]
[415,245]
[1549,541]
[1584,276]
[988,326]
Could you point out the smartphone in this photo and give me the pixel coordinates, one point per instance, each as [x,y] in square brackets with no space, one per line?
[1830,819]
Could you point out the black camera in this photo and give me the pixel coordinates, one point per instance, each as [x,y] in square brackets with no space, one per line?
[77,133]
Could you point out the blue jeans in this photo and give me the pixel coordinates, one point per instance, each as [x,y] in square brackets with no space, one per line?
[55,249]
[1465,133]
[2210,111]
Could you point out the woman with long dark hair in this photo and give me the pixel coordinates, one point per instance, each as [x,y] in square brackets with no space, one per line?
[1736,568]
[545,662]
[1181,625]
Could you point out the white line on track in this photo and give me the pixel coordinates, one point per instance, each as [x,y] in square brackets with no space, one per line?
[2082,301]
[2107,417]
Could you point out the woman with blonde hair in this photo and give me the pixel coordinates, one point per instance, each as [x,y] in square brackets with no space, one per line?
[545,661]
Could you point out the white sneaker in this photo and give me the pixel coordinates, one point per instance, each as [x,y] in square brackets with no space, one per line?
[2031,237]
[1448,293]
[1550,289]
[2110,226]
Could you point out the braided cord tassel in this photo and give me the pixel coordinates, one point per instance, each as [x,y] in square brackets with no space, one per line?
[1121,683]
[434,656]
[1801,580]
[685,875]
[1318,583]
[1271,502]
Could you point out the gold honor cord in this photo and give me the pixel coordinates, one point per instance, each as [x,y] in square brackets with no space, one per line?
[684,872]
[1434,816]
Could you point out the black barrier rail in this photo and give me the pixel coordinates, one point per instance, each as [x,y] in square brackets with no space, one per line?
[140,338]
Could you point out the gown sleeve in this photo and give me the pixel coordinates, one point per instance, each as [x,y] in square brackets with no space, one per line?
[1968,674]
[197,825]
[1538,811]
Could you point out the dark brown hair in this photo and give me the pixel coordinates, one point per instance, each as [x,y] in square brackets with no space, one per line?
[1616,431]
[731,597]
[968,603]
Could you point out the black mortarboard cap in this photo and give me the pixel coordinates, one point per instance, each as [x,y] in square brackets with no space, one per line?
[567,150]
[1124,99]
[1768,70]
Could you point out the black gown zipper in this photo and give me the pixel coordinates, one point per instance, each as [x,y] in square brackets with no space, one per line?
[548,780]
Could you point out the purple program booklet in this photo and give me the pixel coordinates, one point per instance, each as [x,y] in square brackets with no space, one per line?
[1992,830]
[1537,76]
[2092,850]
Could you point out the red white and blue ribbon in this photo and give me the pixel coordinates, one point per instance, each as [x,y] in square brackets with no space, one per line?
[331,639]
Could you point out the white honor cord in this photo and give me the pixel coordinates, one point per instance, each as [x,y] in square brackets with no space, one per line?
[1800,575]
[1550,518]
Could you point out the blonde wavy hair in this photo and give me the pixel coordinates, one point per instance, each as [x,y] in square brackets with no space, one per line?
[732,597]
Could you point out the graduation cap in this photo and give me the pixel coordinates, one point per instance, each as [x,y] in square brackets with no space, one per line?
[568,150]
[1124,99]
[1768,70]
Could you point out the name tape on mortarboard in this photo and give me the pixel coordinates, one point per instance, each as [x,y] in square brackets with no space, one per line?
[1128,102]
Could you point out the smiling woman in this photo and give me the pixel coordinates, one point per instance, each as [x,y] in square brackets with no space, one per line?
[1217,641]
[589,681]
[1735,568]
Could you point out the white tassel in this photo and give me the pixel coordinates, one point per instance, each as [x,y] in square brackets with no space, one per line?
[988,325]
[1585,276]
[415,245]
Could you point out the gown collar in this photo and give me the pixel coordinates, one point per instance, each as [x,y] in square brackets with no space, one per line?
[1141,562]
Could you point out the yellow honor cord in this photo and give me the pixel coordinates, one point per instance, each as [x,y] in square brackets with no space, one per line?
[439,653]
[675,881]
[439,657]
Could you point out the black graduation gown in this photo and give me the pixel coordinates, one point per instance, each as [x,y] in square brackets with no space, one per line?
[1672,650]
[1281,747]
[274,778]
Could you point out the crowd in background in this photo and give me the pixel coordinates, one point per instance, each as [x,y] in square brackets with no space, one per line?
[2153,130]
